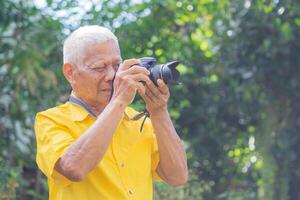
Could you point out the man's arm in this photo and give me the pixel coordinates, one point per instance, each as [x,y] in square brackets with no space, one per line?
[84,154]
[87,151]
[172,167]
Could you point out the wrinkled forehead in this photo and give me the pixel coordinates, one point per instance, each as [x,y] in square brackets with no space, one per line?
[107,51]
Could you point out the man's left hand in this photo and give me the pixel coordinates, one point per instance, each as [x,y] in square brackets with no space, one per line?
[156,98]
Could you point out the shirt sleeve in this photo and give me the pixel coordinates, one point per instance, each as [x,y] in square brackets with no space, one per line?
[52,141]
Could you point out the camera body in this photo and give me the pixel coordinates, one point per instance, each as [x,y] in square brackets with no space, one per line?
[167,71]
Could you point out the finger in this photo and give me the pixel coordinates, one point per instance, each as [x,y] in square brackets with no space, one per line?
[128,63]
[135,69]
[162,86]
[137,85]
[139,77]
[150,95]
[144,96]
[141,88]
[154,90]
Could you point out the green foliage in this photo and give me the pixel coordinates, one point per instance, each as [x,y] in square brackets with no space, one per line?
[194,190]
[8,176]
[29,61]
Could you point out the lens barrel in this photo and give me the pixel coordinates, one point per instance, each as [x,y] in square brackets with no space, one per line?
[167,71]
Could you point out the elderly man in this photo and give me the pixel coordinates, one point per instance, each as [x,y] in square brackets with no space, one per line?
[89,148]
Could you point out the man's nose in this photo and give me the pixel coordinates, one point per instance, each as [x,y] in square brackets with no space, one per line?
[110,74]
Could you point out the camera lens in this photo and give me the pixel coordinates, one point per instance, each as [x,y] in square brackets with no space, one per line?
[167,72]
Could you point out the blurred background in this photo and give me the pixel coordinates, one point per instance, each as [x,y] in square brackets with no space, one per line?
[236,110]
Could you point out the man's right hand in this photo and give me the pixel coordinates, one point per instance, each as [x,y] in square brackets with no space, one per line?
[128,81]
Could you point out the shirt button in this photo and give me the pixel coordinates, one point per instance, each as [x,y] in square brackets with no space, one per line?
[130,192]
[122,164]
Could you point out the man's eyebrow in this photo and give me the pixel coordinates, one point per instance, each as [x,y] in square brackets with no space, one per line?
[94,62]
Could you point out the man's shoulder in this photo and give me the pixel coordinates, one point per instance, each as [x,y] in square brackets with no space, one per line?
[62,110]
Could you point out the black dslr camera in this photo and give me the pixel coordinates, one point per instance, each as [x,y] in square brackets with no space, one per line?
[167,71]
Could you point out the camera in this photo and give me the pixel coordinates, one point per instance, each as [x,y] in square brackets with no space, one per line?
[167,71]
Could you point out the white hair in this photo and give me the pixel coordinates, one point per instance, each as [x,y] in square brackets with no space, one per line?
[82,38]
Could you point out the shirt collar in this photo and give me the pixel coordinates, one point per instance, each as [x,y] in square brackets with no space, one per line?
[78,113]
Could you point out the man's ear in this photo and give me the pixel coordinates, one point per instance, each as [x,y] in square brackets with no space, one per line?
[68,70]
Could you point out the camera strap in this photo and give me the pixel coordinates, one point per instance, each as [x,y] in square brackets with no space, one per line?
[138,116]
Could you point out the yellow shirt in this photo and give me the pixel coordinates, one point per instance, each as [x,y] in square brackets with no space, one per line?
[126,170]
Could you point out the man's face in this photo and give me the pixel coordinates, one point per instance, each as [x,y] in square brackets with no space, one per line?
[93,76]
